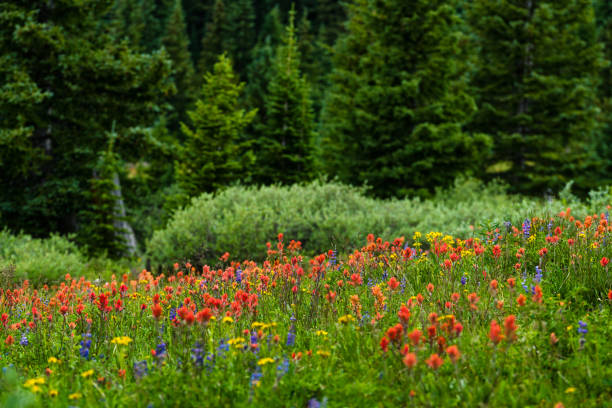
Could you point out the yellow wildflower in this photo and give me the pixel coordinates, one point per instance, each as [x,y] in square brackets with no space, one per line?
[227,319]
[321,333]
[324,353]
[346,319]
[75,396]
[87,373]
[53,393]
[53,360]
[236,341]
[570,390]
[265,361]
[34,381]
[123,340]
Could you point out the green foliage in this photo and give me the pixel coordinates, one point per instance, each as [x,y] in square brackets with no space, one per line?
[176,43]
[284,150]
[535,84]
[214,39]
[241,34]
[100,233]
[38,260]
[398,99]
[212,155]
[323,216]
[80,85]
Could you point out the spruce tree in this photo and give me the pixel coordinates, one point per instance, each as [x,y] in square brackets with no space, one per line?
[58,115]
[214,40]
[602,164]
[212,156]
[176,44]
[240,34]
[535,84]
[285,151]
[398,100]
[259,71]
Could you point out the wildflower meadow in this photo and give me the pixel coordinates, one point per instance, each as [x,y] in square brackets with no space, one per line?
[517,317]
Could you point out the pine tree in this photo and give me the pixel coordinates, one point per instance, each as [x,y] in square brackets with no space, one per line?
[285,146]
[535,84]
[214,40]
[393,116]
[212,156]
[176,43]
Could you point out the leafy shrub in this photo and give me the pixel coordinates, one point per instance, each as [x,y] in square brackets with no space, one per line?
[39,260]
[332,215]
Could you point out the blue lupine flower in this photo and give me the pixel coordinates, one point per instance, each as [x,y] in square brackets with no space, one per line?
[525,287]
[256,376]
[85,345]
[160,349]
[223,345]
[463,280]
[290,339]
[140,369]
[526,228]
[197,355]
[332,259]
[283,367]
[239,275]
[313,403]
[254,337]
[172,315]
[24,340]
[582,328]
[508,225]
[538,275]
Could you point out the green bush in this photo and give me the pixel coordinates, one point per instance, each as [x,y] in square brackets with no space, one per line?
[39,260]
[331,215]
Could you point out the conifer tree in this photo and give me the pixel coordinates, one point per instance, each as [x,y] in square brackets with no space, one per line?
[535,84]
[212,156]
[393,116]
[58,115]
[240,34]
[176,44]
[214,40]
[602,163]
[259,70]
[285,144]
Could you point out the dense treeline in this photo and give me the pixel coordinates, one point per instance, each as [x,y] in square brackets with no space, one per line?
[114,113]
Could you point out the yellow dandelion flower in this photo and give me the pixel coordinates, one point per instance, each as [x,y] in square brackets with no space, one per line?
[227,319]
[75,396]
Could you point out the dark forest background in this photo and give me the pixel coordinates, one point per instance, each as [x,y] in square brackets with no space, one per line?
[113,114]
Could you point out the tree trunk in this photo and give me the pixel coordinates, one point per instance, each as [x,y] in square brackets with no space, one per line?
[123,227]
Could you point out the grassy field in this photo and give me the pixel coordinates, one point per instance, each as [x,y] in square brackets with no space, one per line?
[517,316]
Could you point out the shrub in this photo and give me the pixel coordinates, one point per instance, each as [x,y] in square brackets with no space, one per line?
[331,215]
[39,260]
